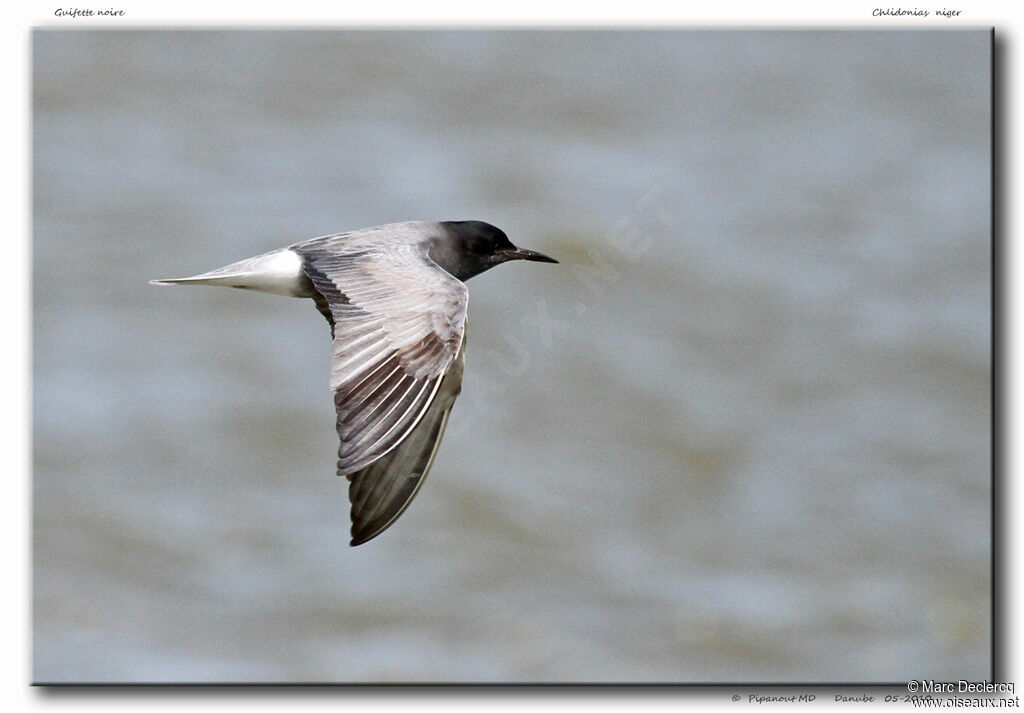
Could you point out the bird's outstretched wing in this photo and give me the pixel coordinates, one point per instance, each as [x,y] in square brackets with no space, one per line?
[398,322]
[380,492]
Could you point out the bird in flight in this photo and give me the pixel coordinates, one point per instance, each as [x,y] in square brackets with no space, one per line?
[395,298]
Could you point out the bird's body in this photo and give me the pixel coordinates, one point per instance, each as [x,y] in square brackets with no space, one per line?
[396,303]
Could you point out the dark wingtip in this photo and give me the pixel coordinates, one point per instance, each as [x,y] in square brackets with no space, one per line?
[359,538]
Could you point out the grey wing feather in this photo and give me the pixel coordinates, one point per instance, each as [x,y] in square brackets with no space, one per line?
[398,324]
[382,491]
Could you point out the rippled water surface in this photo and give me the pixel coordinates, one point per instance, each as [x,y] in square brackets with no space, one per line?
[740,433]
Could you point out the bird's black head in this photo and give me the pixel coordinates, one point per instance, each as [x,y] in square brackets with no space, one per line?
[468,247]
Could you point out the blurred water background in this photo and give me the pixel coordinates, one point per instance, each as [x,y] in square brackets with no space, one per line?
[741,433]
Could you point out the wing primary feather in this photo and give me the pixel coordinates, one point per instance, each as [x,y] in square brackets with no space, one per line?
[406,466]
[370,437]
[357,419]
[387,440]
[347,396]
[375,397]
[359,433]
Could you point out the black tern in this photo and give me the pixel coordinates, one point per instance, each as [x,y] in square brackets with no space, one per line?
[395,299]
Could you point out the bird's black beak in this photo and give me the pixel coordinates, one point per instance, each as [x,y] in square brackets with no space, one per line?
[523,254]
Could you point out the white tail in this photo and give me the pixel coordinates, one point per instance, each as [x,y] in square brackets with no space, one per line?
[279,272]
[234,280]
